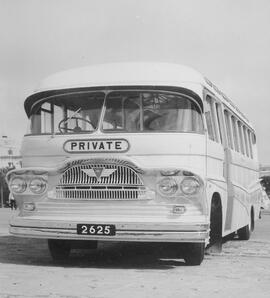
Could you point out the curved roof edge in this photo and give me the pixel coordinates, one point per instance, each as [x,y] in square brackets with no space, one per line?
[128,74]
[122,73]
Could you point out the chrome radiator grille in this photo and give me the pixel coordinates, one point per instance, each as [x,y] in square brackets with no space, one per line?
[100,181]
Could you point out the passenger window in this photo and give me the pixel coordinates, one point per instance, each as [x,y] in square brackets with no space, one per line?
[250,144]
[228,128]
[235,135]
[46,118]
[209,126]
[241,137]
[246,142]
[253,137]
[218,113]
[210,120]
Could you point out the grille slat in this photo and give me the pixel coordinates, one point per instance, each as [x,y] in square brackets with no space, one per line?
[99,194]
[99,182]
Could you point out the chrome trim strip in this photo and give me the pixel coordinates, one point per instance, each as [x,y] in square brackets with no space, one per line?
[121,235]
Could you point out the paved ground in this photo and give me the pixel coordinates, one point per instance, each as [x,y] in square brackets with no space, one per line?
[134,270]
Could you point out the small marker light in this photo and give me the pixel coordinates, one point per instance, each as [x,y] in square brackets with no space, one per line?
[179,209]
[29,206]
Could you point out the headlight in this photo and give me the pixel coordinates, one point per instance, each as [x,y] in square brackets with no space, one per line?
[18,185]
[37,185]
[190,186]
[167,186]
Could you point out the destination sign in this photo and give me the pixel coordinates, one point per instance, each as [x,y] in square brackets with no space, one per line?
[96,145]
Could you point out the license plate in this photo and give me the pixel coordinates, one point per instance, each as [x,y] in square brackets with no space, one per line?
[96,229]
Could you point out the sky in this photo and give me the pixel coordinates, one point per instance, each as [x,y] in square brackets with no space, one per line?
[226,40]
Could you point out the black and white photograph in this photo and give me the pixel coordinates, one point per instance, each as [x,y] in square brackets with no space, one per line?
[134,148]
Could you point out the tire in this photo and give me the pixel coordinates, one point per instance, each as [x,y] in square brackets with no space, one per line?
[194,253]
[244,233]
[59,249]
[229,237]
[83,244]
[252,224]
[215,241]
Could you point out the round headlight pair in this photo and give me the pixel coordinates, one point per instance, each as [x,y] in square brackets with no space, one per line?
[189,186]
[36,185]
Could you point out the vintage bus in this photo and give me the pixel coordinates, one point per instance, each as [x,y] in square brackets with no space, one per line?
[149,152]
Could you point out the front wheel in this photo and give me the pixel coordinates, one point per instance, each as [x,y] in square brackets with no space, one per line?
[194,253]
[59,249]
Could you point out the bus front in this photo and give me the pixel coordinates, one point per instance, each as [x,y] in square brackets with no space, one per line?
[113,164]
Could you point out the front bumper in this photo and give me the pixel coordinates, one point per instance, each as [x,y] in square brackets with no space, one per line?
[144,231]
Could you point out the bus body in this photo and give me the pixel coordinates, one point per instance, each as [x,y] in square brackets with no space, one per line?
[148,152]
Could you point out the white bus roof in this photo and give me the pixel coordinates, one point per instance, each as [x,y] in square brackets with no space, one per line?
[131,74]
[119,74]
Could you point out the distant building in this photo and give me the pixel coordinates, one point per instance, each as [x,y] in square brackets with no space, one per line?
[9,153]
[9,158]
[265,179]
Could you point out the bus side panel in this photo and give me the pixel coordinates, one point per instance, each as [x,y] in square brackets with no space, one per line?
[244,177]
[216,182]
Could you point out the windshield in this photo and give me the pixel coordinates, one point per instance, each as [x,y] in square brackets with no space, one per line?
[70,113]
[134,111]
[124,111]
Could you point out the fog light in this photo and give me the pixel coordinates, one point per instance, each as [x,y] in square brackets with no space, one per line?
[179,209]
[29,206]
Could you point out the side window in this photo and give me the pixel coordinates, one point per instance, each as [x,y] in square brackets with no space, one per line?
[235,134]
[211,120]
[219,117]
[253,137]
[250,144]
[209,125]
[46,118]
[228,128]
[241,137]
[246,141]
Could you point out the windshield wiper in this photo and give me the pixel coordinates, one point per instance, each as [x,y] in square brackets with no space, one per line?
[73,115]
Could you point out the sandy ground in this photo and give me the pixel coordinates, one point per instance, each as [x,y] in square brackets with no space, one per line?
[134,270]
